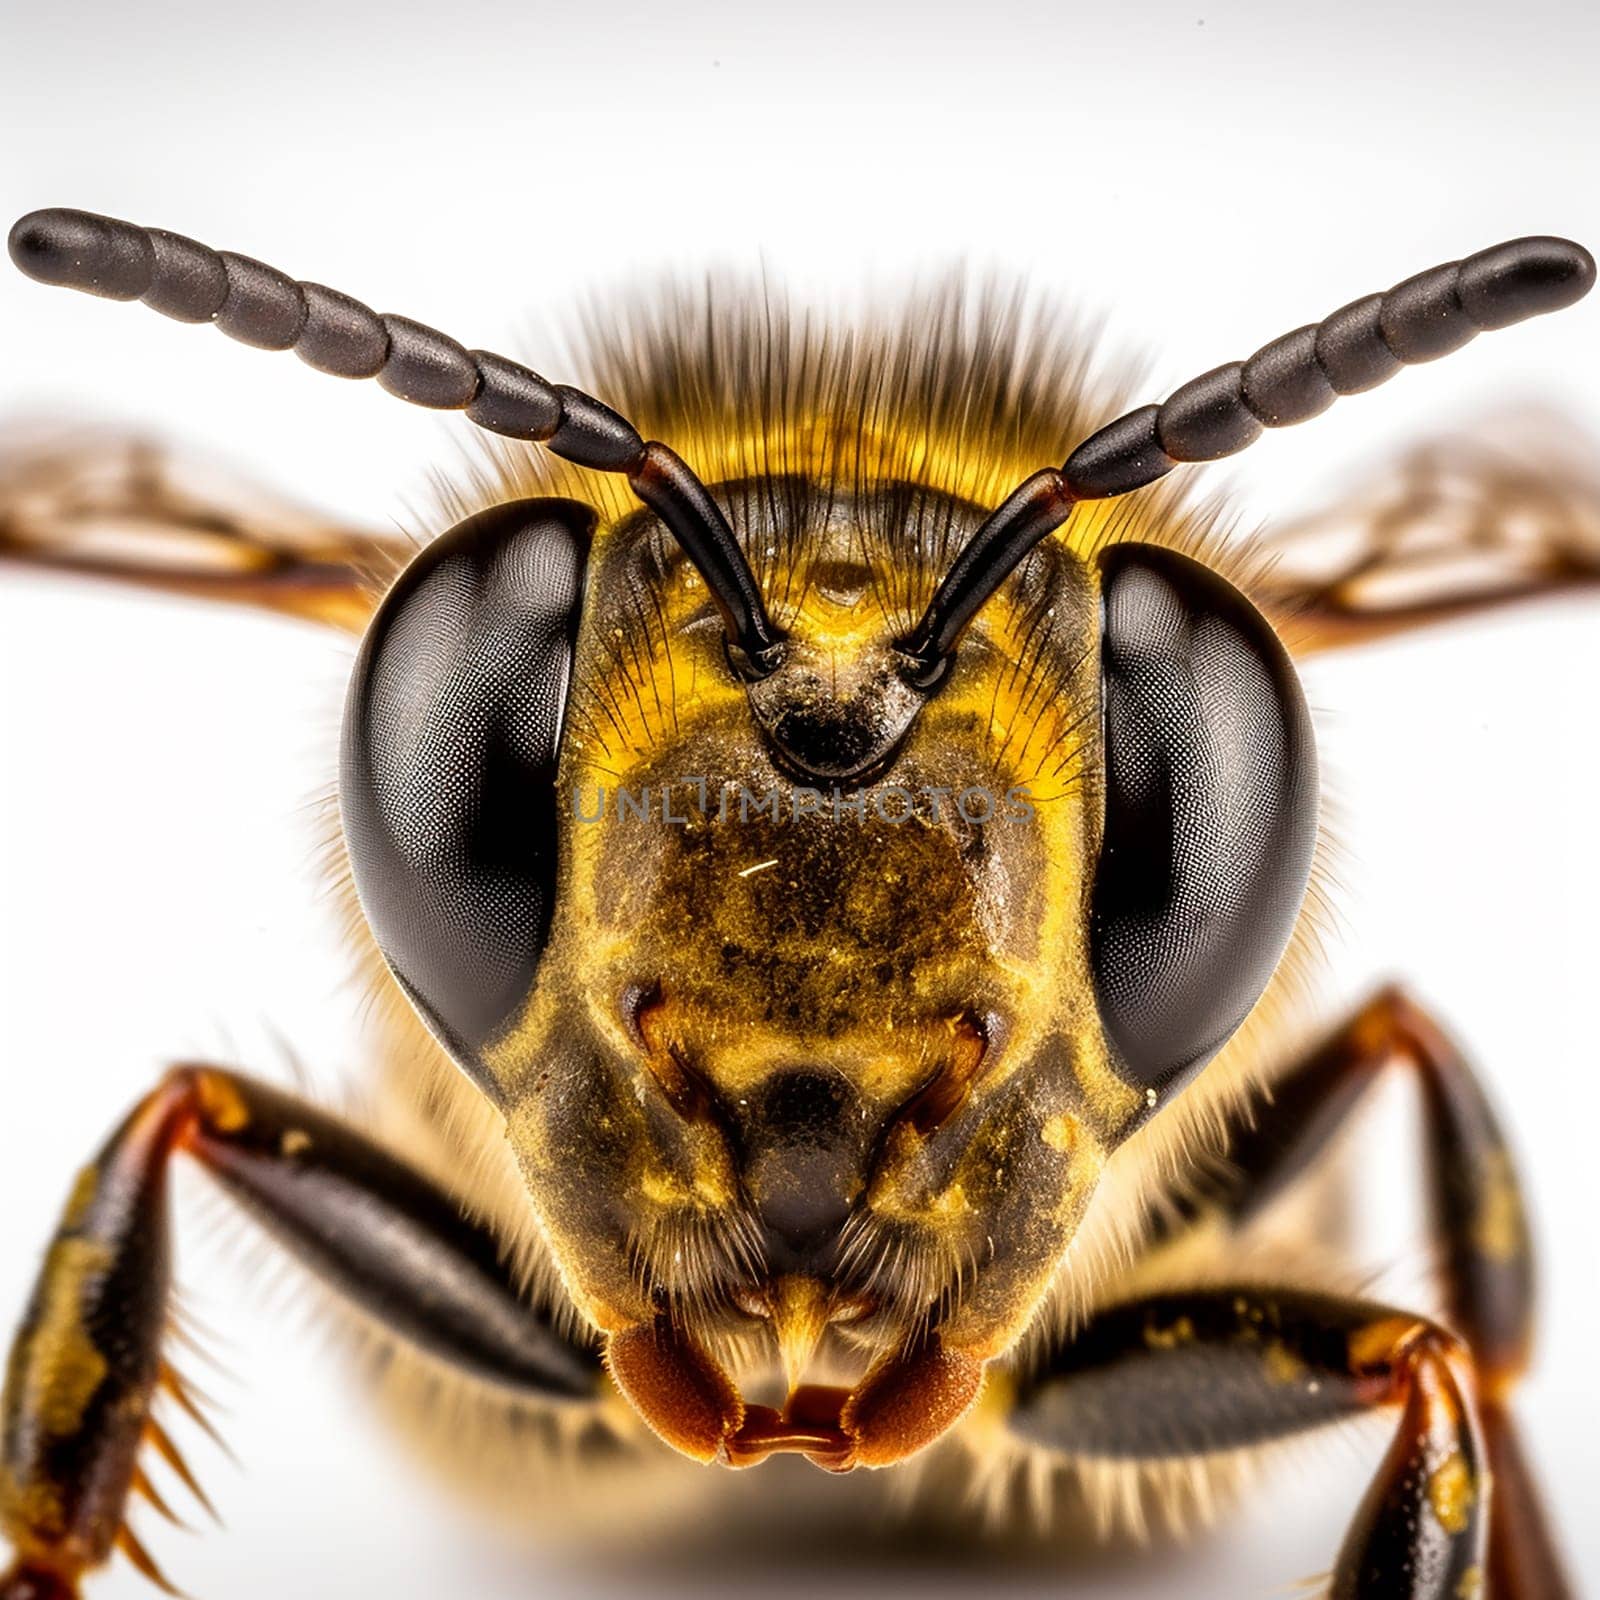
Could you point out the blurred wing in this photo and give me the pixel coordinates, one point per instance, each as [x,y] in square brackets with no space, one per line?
[117,507]
[1461,525]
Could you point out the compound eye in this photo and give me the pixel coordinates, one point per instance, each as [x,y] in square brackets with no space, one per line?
[452,731]
[1211,813]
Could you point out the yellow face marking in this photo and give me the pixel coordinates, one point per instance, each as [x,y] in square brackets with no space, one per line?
[1060,1133]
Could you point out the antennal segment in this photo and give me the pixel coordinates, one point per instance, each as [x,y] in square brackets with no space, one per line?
[258,305]
[1222,411]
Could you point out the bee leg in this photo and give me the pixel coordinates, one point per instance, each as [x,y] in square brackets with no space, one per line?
[1189,1374]
[122,508]
[1487,1265]
[87,1363]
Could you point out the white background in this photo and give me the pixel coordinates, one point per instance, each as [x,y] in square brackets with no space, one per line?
[1210,174]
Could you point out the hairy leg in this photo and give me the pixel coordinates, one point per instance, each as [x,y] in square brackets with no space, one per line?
[88,1360]
[1221,1369]
[1475,1197]
[1475,1200]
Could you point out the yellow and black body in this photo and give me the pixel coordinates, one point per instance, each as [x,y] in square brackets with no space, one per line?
[839,984]
[839,918]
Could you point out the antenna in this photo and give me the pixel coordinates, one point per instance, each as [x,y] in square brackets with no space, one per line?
[1222,411]
[258,305]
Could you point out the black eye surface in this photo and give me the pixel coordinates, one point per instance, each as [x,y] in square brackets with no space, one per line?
[447,784]
[1211,812]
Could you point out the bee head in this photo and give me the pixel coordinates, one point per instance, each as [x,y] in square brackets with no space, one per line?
[818,966]
[857,955]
